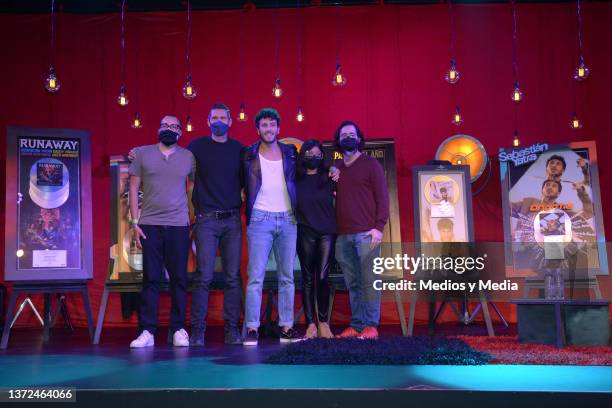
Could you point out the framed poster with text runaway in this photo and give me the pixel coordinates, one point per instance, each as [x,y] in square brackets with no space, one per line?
[48,234]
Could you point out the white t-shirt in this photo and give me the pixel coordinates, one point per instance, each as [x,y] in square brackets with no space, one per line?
[273,195]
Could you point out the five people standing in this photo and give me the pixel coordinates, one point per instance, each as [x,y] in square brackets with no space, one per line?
[289,206]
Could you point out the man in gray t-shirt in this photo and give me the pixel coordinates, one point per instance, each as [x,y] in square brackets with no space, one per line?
[161,227]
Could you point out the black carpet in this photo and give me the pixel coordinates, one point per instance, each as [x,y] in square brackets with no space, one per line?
[421,350]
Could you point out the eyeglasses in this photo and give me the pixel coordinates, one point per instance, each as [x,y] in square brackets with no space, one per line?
[170,126]
[345,135]
[313,156]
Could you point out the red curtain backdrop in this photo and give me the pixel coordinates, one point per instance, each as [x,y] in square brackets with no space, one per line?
[393,56]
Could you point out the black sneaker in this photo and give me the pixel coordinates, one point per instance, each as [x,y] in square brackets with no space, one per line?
[289,336]
[232,337]
[197,339]
[251,338]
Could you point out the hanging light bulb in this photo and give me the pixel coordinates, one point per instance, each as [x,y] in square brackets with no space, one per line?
[242,116]
[576,123]
[277,92]
[136,122]
[189,91]
[582,71]
[457,118]
[452,75]
[122,99]
[339,78]
[52,84]
[189,125]
[300,115]
[517,94]
[516,142]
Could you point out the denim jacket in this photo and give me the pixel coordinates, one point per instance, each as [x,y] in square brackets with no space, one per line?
[251,171]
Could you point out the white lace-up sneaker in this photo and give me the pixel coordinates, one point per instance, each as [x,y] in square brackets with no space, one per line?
[180,338]
[145,339]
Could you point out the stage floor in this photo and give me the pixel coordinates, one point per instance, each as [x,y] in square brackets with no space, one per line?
[68,360]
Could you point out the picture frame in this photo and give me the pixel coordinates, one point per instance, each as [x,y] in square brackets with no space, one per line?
[442,197]
[542,217]
[48,220]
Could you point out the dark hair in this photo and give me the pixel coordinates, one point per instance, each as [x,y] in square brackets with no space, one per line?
[360,134]
[443,189]
[267,113]
[220,105]
[556,157]
[301,170]
[445,223]
[554,181]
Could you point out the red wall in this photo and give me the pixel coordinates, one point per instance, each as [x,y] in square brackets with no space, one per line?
[394,58]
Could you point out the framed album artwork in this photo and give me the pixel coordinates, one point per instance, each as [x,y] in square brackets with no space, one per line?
[48,235]
[551,205]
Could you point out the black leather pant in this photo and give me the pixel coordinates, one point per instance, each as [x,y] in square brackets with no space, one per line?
[316,252]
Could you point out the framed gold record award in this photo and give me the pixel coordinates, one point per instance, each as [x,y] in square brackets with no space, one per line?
[443,204]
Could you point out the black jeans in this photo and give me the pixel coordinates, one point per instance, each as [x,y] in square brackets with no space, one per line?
[226,234]
[165,246]
[316,251]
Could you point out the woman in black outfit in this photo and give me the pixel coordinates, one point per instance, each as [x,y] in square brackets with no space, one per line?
[316,238]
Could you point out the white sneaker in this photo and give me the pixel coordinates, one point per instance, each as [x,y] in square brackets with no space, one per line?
[180,338]
[145,339]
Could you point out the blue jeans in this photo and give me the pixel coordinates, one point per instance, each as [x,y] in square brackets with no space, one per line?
[210,234]
[356,259]
[267,231]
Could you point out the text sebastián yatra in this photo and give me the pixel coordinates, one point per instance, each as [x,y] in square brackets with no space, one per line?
[446,285]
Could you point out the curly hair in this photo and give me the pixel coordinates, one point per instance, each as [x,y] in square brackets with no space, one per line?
[267,113]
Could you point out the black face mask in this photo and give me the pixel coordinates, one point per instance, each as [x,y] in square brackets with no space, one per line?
[168,137]
[312,163]
[349,144]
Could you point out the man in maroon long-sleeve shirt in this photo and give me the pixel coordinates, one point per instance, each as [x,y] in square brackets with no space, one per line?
[362,210]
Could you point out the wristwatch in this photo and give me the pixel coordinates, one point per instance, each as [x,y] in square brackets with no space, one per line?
[134,221]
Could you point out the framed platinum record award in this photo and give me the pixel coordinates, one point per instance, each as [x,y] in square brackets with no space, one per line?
[48,235]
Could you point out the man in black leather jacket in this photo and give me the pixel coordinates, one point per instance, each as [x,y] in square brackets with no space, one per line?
[269,171]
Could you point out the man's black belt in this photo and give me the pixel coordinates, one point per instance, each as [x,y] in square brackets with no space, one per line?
[220,214]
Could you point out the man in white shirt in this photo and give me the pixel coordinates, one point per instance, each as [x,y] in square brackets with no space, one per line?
[269,171]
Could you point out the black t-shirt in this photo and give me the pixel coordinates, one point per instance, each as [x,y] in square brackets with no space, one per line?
[315,204]
[217,182]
